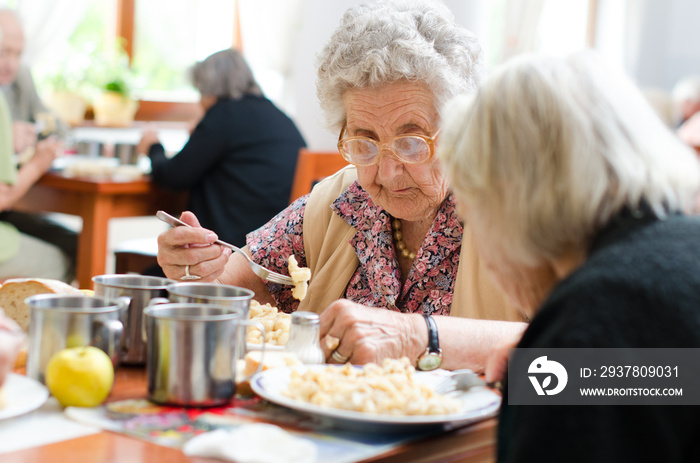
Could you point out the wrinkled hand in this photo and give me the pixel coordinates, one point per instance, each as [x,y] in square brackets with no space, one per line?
[148,138]
[364,334]
[24,135]
[497,362]
[181,246]
[11,340]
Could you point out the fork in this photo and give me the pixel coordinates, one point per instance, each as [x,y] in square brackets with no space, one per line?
[258,269]
[462,380]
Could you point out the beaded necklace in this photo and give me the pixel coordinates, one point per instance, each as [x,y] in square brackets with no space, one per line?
[400,245]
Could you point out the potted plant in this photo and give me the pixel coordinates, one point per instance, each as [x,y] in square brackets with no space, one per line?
[113,104]
[66,96]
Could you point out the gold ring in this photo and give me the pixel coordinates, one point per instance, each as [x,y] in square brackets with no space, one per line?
[338,357]
[187,275]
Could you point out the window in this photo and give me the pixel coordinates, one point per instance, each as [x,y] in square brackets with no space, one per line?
[160,47]
[563,26]
[165,46]
[72,64]
[551,26]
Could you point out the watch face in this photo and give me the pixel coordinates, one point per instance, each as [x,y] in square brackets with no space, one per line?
[429,362]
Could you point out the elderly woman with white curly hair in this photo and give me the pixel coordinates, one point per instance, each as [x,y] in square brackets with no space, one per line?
[561,168]
[390,261]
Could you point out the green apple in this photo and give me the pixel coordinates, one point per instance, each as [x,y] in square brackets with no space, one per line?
[80,376]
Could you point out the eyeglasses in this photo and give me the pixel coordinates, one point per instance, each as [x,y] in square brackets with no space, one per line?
[409,148]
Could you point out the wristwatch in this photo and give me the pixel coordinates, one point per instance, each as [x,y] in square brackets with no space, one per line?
[432,357]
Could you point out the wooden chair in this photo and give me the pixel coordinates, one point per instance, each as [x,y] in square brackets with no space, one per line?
[135,256]
[312,167]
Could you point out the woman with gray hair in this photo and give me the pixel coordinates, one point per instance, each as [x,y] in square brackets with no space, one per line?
[239,162]
[381,233]
[562,169]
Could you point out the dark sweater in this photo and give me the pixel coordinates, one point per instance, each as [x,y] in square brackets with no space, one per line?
[238,166]
[640,287]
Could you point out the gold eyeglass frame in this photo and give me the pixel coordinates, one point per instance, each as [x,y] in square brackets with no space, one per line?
[428,139]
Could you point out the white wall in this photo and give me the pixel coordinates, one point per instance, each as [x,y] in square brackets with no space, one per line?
[667,42]
[321,19]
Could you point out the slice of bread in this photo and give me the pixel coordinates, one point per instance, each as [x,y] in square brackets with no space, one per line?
[14,292]
[273,359]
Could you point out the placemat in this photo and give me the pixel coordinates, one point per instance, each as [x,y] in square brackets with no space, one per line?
[172,426]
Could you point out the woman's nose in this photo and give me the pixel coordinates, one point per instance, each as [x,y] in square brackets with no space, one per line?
[389,165]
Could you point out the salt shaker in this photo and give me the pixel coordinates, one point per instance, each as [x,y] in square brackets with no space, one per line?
[304,338]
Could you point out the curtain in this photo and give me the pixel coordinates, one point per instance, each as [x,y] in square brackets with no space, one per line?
[47,25]
[520,26]
[614,20]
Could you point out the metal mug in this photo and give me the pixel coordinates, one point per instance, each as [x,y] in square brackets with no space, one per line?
[59,321]
[192,353]
[140,290]
[126,153]
[213,293]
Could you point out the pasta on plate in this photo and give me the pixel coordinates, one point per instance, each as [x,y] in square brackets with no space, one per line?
[390,388]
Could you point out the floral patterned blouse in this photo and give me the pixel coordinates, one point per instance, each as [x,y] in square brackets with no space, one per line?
[377,282]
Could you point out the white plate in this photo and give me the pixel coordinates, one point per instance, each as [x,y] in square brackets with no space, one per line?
[268,347]
[22,395]
[477,404]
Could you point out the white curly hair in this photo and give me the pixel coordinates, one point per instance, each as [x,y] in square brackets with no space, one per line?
[397,40]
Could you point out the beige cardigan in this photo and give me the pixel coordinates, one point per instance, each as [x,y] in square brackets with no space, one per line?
[333,261]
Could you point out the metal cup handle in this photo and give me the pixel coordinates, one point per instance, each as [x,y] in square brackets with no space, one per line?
[259,326]
[153,301]
[108,335]
[123,303]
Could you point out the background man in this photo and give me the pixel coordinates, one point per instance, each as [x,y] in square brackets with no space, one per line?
[24,106]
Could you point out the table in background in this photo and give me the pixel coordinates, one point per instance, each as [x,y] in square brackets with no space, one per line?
[474,444]
[96,201]
[172,135]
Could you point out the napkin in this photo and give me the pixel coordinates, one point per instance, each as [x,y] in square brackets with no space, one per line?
[252,443]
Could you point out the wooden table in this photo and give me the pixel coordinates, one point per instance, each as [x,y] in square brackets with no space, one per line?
[96,201]
[474,444]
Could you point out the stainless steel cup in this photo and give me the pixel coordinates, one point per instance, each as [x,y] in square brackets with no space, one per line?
[192,353]
[125,152]
[213,293]
[59,321]
[140,290]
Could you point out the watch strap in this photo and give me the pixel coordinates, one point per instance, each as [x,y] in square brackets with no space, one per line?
[433,341]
